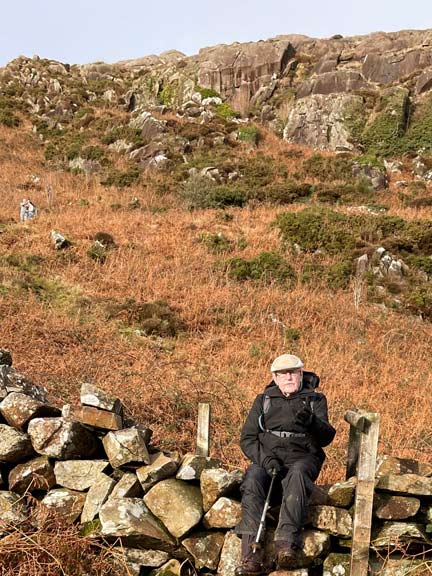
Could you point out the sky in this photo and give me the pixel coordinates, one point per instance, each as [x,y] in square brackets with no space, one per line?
[82,31]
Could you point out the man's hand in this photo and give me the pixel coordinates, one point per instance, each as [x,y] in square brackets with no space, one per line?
[271,465]
[304,417]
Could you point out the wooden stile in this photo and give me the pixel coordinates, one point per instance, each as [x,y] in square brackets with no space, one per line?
[203,431]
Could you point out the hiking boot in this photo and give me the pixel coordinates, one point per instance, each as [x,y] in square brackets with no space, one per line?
[287,555]
[251,562]
[249,568]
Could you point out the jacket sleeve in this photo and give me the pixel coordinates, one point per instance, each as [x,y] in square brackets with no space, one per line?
[249,438]
[322,431]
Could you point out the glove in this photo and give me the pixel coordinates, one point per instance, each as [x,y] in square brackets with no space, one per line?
[304,417]
[272,464]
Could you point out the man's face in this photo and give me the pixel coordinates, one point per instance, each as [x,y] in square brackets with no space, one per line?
[288,380]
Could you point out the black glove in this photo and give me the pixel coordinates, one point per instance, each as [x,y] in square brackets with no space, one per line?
[304,417]
[272,464]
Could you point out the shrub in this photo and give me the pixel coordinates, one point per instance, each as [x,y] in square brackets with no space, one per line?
[201,192]
[152,318]
[225,111]
[216,243]
[8,118]
[284,193]
[206,92]
[121,179]
[327,168]
[249,134]
[266,267]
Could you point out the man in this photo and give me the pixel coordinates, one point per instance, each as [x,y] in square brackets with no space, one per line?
[284,433]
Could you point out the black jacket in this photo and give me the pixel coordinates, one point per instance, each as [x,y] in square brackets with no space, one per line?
[261,446]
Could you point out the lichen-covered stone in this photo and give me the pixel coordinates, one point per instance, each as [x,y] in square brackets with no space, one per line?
[390,507]
[78,474]
[230,555]
[216,482]
[101,419]
[337,565]
[36,474]
[127,487]
[395,534]
[62,439]
[340,494]
[92,396]
[192,466]
[225,513]
[15,446]
[131,520]
[160,467]
[67,503]
[146,558]
[12,509]
[386,465]
[100,489]
[406,484]
[18,409]
[206,548]
[13,381]
[177,504]
[336,521]
[126,447]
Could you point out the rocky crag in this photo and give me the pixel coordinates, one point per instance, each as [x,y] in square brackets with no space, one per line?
[172,513]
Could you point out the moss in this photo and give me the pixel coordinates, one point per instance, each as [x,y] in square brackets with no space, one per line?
[266,267]
[206,92]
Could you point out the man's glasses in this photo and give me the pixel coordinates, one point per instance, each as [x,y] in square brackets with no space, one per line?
[288,371]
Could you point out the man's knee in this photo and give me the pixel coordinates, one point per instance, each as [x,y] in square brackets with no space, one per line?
[256,478]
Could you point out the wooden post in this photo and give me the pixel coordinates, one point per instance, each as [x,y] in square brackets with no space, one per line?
[203,432]
[365,441]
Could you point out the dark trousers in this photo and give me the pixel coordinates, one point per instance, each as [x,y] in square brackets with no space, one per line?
[292,488]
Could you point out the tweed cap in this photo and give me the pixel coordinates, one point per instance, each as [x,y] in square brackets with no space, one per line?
[286,362]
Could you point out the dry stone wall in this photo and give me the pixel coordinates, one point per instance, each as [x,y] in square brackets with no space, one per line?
[176,513]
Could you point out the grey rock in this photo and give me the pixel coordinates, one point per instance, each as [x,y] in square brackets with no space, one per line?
[67,503]
[61,439]
[12,510]
[146,558]
[90,395]
[177,504]
[18,409]
[15,446]
[205,547]
[127,487]
[126,447]
[78,474]
[392,465]
[99,492]
[390,507]
[405,484]
[13,381]
[36,474]
[230,556]
[192,466]
[395,534]
[216,482]
[159,468]
[336,521]
[337,564]
[225,513]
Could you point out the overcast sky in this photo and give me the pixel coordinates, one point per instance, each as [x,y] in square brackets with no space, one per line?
[81,31]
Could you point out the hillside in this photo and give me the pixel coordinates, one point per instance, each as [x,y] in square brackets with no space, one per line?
[233,237]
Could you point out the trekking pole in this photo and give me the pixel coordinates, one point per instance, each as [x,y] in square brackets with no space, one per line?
[255,546]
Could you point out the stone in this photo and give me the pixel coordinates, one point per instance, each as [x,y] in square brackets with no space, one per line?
[127,487]
[406,484]
[206,548]
[340,494]
[36,474]
[389,507]
[336,564]
[177,504]
[216,482]
[401,567]
[192,466]
[397,534]
[62,439]
[12,510]
[130,520]
[376,177]
[5,357]
[18,409]
[92,396]
[146,558]
[392,465]
[13,381]
[78,474]
[96,418]
[230,555]
[225,513]
[99,492]
[171,568]
[126,447]
[160,467]
[59,242]
[67,503]
[335,521]
[15,446]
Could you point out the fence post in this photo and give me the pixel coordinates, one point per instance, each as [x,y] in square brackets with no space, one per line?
[203,431]
[362,452]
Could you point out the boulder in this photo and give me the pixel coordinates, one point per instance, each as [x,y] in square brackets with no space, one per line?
[406,484]
[99,491]
[12,510]
[130,520]
[177,504]
[225,513]
[392,465]
[92,396]
[126,447]
[340,494]
[13,381]
[78,474]
[127,487]
[216,482]
[160,467]
[67,503]
[205,547]
[230,555]
[18,409]
[36,474]
[15,446]
[192,466]
[389,507]
[335,521]
[96,418]
[62,439]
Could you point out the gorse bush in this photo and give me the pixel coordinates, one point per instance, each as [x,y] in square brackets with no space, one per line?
[202,192]
[266,267]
